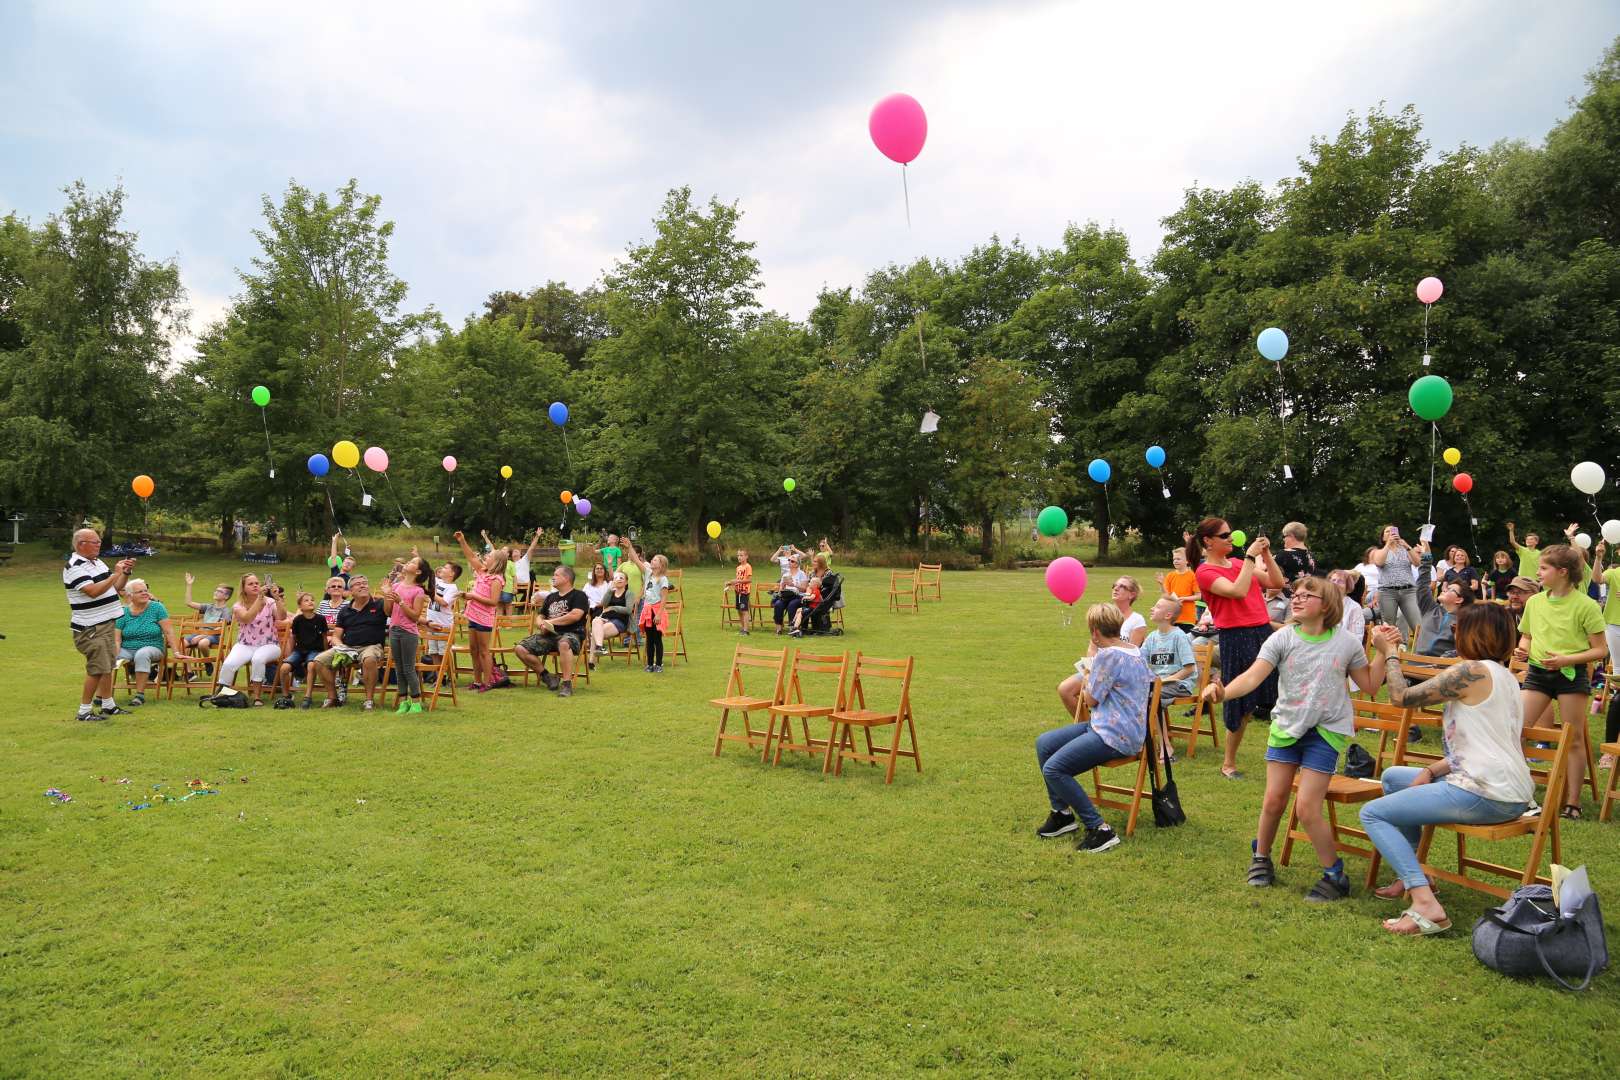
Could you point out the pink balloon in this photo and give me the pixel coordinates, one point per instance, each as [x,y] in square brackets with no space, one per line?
[583,506]
[376,459]
[1429,290]
[898,127]
[1066,578]
[449,463]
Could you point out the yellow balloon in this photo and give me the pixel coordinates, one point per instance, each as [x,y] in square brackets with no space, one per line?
[1452,455]
[714,530]
[346,454]
[506,472]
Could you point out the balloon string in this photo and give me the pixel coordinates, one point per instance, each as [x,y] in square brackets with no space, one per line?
[1434,434]
[1282,392]
[333,511]
[568,452]
[922,351]
[268,454]
[1426,329]
[397,505]
[905,188]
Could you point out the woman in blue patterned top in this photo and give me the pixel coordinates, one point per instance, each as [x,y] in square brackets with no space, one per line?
[1117,693]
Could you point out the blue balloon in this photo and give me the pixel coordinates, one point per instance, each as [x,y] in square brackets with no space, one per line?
[1272,343]
[558,413]
[1155,456]
[318,465]
[1099,471]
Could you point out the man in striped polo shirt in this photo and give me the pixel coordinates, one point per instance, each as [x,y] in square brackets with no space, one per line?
[92,594]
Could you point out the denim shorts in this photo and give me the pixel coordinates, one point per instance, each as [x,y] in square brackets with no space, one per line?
[1553,683]
[506,597]
[478,626]
[1309,751]
[300,660]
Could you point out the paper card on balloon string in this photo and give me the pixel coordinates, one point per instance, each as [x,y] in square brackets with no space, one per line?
[930,423]
[1166,491]
[365,500]
[1473,521]
[1426,534]
[1425,359]
[1288,473]
[272,474]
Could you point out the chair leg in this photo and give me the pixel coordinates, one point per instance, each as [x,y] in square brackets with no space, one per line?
[894,754]
[1136,796]
[719,736]
[832,742]
[1288,833]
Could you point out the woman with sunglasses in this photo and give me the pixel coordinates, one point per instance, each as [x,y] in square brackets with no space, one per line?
[1234,590]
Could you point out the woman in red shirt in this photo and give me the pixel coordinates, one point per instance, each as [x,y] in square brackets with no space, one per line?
[1235,593]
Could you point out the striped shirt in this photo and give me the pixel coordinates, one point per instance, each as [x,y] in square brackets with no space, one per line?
[89,611]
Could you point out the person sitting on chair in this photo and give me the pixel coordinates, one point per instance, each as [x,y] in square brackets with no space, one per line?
[559,626]
[357,634]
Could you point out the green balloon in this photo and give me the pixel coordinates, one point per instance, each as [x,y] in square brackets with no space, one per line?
[261,396]
[1430,397]
[1239,538]
[1052,521]
[789,484]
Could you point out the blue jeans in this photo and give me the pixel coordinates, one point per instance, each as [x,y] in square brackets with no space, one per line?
[144,658]
[1065,753]
[1394,823]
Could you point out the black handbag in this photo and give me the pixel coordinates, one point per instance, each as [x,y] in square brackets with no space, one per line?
[1167,811]
[1358,764]
[1528,936]
[226,698]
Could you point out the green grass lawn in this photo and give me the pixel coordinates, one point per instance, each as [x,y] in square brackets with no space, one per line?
[527,885]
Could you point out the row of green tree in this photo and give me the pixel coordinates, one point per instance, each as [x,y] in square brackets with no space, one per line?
[690,402]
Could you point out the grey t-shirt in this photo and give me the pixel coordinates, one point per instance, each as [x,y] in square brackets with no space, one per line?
[1311,690]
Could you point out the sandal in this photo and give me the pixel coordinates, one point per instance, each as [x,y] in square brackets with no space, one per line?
[1425,927]
[1235,774]
[1261,872]
[1328,889]
[1393,891]
[1570,813]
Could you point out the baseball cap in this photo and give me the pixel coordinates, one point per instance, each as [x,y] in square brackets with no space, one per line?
[1524,585]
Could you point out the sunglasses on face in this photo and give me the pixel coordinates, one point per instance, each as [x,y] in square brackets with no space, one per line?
[1223,536]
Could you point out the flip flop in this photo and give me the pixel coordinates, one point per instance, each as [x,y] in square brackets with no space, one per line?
[1393,891]
[1425,927]
[1235,774]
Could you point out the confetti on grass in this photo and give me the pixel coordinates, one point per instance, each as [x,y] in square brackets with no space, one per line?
[58,795]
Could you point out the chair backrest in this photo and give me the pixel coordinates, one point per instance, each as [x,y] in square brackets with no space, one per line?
[1392,722]
[873,667]
[767,659]
[808,663]
[1547,763]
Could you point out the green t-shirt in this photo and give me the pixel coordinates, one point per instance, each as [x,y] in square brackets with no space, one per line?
[1560,624]
[1611,610]
[1529,561]
[632,574]
[144,630]
[611,558]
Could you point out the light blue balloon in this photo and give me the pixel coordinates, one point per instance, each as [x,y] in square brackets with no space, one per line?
[1099,471]
[1155,456]
[1272,343]
[558,413]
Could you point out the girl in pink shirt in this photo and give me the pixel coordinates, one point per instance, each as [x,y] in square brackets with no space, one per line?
[483,600]
[405,601]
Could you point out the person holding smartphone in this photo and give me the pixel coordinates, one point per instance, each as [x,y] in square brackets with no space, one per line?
[1397,581]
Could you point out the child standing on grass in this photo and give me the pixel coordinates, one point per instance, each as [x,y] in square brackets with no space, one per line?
[654,617]
[1181,585]
[483,600]
[308,641]
[1312,722]
[742,586]
[1560,633]
[442,607]
[406,602]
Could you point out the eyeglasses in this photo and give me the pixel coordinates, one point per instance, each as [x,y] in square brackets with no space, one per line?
[1303,595]
[1223,536]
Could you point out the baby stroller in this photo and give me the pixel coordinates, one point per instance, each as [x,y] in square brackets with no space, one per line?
[818,620]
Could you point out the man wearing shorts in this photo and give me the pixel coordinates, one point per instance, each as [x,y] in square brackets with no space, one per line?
[559,628]
[92,596]
[359,631]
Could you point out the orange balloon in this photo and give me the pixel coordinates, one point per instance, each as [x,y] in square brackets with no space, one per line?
[142,485]
[567,496]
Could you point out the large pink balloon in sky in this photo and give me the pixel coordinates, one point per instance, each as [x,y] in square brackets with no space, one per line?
[899,127]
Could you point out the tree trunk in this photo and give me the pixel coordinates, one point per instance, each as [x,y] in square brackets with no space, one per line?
[1099,516]
[227,535]
[914,518]
[112,523]
[987,535]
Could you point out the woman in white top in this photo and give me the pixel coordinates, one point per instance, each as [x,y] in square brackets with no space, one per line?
[1369,578]
[1483,778]
[597,587]
[1135,630]
[1354,622]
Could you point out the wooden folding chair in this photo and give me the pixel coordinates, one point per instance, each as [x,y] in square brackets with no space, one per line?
[903,589]
[461,648]
[438,667]
[728,607]
[675,636]
[1392,723]
[1541,828]
[582,658]
[930,577]
[856,714]
[197,661]
[1142,759]
[794,707]
[1202,712]
[1607,806]
[627,645]
[738,698]
[1420,667]
[504,637]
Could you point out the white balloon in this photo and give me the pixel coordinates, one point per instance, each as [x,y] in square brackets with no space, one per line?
[1587,477]
[1611,531]
[1583,541]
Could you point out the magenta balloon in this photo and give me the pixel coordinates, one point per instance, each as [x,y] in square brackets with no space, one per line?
[376,459]
[449,463]
[583,506]
[1429,290]
[1066,579]
[898,127]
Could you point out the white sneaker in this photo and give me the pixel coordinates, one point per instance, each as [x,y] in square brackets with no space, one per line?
[1533,810]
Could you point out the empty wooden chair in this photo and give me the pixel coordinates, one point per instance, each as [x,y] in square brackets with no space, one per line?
[1143,759]
[192,671]
[503,642]
[930,580]
[1540,829]
[1607,806]
[1201,720]
[1392,724]
[794,706]
[902,590]
[740,698]
[675,636]
[855,714]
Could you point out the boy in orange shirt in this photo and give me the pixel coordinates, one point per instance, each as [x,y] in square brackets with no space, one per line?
[743,586]
[1181,585]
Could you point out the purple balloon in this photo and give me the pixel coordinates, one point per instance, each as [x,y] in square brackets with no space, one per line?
[583,506]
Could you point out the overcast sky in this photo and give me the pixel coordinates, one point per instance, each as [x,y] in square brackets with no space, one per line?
[519,142]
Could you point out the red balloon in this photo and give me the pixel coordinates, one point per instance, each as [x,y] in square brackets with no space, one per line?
[1463,483]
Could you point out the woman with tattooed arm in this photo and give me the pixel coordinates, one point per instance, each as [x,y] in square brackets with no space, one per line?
[1482,780]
